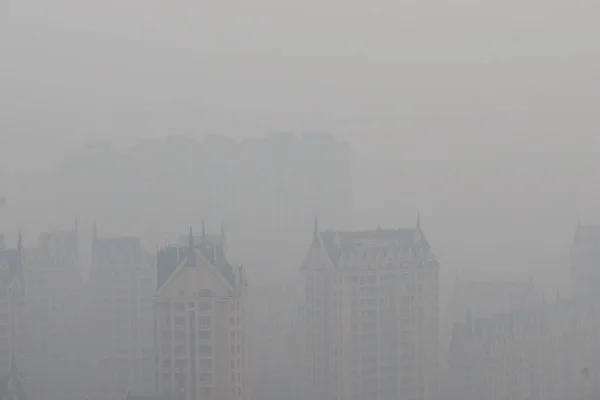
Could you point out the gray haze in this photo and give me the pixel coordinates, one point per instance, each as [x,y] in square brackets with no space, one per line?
[140,118]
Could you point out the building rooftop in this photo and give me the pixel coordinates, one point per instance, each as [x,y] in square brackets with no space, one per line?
[212,247]
[62,240]
[339,243]
[126,249]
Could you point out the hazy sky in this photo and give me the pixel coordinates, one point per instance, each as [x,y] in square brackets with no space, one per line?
[453,82]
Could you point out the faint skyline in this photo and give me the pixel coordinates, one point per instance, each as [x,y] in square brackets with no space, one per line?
[461,83]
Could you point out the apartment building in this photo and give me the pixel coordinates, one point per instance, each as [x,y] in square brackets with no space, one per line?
[122,283]
[53,278]
[12,295]
[199,322]
[370,315]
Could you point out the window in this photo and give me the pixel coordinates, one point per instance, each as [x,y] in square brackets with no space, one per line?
[205,391]
[204,321]
[204,334]
[205,378]
[204,349]
[204,306]
[179,335]
[179,306]
[179,321]
[180,349]
[205,293]
[205,363]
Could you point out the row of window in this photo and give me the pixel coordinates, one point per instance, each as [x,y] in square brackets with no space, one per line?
[202,321]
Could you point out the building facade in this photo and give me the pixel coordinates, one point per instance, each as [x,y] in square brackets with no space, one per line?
[53,278]
[122,283]
[199,322]
[370,315]
[12,297]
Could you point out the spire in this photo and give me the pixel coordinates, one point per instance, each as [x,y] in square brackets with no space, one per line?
[316,232]
[191,238]
[203,231]
[418,220]
[20,243]
[94,232]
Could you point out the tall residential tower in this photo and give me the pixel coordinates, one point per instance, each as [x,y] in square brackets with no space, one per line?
[199,321]
[370,315]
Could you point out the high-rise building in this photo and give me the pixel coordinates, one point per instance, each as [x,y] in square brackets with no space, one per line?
[12,295]
[122,283]
[370,315]
[199,321]
[53,279]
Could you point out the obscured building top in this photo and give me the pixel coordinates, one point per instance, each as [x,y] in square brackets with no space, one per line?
[211,247]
